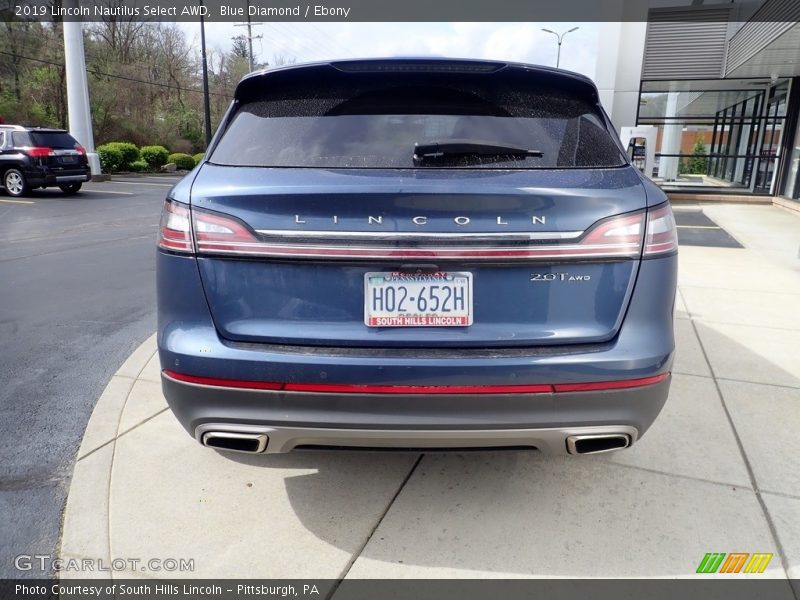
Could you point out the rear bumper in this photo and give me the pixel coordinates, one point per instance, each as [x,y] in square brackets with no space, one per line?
[42,177]
[544,421]
[190,344]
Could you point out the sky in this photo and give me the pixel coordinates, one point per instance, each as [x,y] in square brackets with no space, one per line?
[523,42]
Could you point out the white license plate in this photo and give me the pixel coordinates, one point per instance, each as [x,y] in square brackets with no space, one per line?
[394,299]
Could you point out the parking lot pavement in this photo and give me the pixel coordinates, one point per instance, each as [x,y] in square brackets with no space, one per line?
[714,474]
[77,290]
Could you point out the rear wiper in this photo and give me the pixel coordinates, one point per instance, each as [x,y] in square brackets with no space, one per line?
[434,150]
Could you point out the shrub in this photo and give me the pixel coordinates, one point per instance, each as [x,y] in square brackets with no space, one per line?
[182,161]
[129,152]
[110,158]
[139,165]
[155,156]
[198,157]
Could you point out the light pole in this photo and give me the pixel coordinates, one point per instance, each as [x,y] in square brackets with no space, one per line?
[206,102]
[78,106]
[560,37]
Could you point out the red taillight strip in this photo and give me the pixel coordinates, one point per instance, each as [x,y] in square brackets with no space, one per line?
[216,382]
[38,151]
[610,385]
[417,389]
[332,388]
[299,251]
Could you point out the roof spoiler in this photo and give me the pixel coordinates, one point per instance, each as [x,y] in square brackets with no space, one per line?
[415,65]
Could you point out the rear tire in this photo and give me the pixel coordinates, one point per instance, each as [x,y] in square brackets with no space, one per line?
[71,188]
[15,184]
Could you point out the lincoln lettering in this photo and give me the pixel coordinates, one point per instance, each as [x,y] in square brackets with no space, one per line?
[421,220]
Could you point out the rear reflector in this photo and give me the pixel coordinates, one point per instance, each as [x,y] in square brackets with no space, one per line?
[417,389]
[333,388]
[232,383]
[610,385]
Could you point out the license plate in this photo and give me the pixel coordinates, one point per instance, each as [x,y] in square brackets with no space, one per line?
[441,299]
[68,160]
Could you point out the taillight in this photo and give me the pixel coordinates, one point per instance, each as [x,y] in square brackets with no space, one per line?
[175,229]
[39,152]
[80,149]
[216,233]
[662,236]
[617,236]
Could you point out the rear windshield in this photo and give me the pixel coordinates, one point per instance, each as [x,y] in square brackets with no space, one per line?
[375,123]
[58,140]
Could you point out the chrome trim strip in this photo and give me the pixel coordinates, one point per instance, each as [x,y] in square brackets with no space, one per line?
[624,250]
[549,440]
[399,236]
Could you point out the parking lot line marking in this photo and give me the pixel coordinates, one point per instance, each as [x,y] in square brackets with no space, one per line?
[108,192]
[139,183]
[17,201]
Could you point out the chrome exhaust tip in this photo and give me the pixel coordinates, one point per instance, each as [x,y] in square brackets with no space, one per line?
[250,443]
[597,443]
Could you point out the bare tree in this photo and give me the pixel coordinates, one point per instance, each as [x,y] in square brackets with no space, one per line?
[280,60]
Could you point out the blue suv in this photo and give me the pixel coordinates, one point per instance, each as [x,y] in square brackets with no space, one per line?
[424,254]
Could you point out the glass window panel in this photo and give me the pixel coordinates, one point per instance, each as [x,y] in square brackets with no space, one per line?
[714,133]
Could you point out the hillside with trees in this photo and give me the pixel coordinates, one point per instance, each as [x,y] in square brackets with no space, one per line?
[145,80]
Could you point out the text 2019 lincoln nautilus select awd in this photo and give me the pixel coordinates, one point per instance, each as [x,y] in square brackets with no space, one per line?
[416,253]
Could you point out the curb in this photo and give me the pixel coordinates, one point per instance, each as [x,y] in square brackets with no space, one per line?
[85,531]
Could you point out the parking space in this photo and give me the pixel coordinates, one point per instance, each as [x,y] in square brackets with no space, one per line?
[710,476]
[695,228]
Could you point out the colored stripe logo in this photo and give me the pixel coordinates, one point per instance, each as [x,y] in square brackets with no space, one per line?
[736,562]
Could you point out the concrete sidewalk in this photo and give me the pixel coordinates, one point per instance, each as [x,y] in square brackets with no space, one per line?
[716,473]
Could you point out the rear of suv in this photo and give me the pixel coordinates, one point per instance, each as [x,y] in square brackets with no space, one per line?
[37,157]
[416,254]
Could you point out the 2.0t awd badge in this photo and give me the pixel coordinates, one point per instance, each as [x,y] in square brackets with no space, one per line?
[559,277]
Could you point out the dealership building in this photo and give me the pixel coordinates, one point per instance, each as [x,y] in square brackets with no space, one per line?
[713,88]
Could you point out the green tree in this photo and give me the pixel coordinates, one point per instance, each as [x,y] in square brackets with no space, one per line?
[698,163]
[145,80]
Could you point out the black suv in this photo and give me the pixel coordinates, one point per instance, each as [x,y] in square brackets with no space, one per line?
[37,157]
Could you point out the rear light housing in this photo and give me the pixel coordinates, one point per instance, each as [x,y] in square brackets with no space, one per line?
[175,229]
[626,236]
[39,152]
[617,236]
[214,233]
[187,230]
[217,233]
[662,235]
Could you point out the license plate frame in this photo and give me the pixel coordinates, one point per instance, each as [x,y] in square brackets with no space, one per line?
[426,312]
